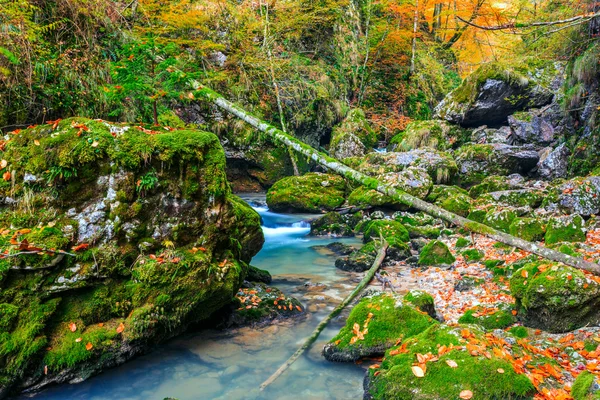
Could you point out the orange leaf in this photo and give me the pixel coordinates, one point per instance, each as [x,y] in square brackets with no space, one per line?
[524,273]
[80,247]
[3,164]
[374,366]
[466,395]
[452,363]
[78,340]
[120,328]
[89,346]
[6,176]
[72,327]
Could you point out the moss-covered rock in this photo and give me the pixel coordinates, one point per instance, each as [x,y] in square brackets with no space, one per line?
[389,229]
[569,228]
[472,255]
[258,275]
[422,301]
[555,298]
[313,192]
[375,324]
[529,229]
[500,219]
[490,318]
[412,180]
[433,134]
[495,91]
[491,184]
[364,198]
[133,234]
[583,387]
[451,198]
[333,224]
[514,198]
[354,137]
[477,373]
[435,253]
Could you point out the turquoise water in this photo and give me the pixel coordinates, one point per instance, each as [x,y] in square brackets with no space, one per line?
[232,364]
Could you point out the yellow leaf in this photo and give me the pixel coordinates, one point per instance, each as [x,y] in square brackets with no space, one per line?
[36,142]
[418,371]
[466,395]
[3,164]
[500,370]
[452,363]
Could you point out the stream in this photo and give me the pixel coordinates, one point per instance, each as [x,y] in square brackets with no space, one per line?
[232,364]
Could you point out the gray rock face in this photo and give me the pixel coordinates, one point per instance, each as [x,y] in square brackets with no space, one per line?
[580,196]
[537,127]
[413,180]
[554,164]
[484,134]
[349,145]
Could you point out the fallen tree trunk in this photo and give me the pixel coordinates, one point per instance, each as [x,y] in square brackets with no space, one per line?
[400,196]
[364,282]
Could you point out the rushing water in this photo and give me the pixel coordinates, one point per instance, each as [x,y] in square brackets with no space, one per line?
[232,364]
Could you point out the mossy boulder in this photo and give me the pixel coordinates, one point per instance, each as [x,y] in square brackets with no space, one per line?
[363,198]
[530,229]
[333,224]
[133,234]
[514,198]
[490,318]
[451,198]
[440,166]
[493,183]
[495,91]
[555,298]
[500,219]
[374,325]
[313,192]
[472,255]
[435,253]
[258,275]
[362,259]
[389,229]
[580,196]
[474,372]
[412,180]
[422,301]
[478,161]
[432,134]
[353,137]
[568,228]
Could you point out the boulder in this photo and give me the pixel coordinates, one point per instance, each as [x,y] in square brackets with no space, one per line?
[96,286]
[478,161]
[529,229]
[490,318]
[451,198]
[450,371]
[496,183]
[432,134]
[493,92]
[412,180]
[554,164]
[373,326]
[435,253]
[531,128]
[364,198]
[555,298]
[567,228]
[486,135]
[333,224]
[422,300]
[354,137]
[313,192]
[440,165]
[580,196]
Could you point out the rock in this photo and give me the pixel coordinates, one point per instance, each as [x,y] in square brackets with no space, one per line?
[529,229]
[359,260]
[396,379]
[568,228]
[451,198]
[580,196]
[365,336]
[435,253]
[432,134]
[472,255]
[365,198]
[440,166]
[354,137]
[554,164]
[555,298]
[197,236]
[340,248]
[499,317]
[333,224]
[501,219]
[258,275]
[493,184]
[493,92]
[478,161]
[313,192]
[260,305]
[513,198]
[467,283]
[422,300]
[412,180]
[390,230]
[483,134]
[529,127]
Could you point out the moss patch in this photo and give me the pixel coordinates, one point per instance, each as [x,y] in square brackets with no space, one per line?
[435,253]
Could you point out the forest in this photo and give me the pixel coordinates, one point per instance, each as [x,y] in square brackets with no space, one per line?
[398,197]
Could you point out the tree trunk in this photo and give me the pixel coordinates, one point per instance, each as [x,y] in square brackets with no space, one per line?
[414,39]
[315,335]
[400,196]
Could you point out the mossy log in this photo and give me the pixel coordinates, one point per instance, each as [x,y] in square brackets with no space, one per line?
[364,282]
[334,165]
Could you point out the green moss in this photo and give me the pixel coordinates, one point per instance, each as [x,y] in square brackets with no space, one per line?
[8,315]
[529,229]
[472,254]
[496,266]
[477,215]
[313,192]
[429,232]
[565,229]
[420,299]
[582,385]
[363,197]
[391,320]
[489,184]
[519,331]
[498,319]
[500,219]
[462,242]
[395,379]
[435,253]
[433,134]
[388,229]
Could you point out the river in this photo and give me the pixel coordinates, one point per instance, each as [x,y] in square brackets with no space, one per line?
[232,364]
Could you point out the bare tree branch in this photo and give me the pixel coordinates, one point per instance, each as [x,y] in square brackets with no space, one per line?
[579,19]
